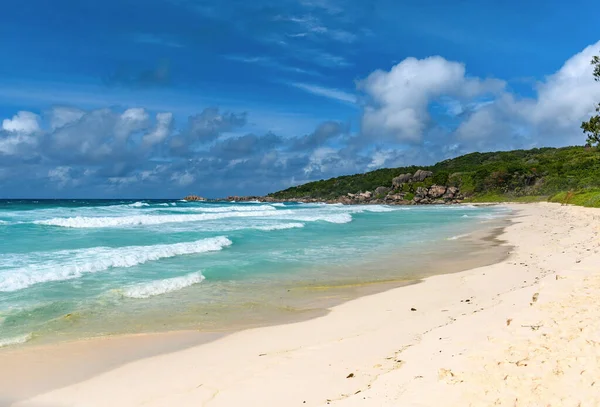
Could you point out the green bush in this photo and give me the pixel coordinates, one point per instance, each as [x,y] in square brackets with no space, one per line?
[507,175]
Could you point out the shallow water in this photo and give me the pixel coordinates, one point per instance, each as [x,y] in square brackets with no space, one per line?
[73,269]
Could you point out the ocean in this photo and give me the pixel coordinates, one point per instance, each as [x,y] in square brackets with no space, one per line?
[83,268]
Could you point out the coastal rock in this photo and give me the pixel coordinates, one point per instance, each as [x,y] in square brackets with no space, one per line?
[365,195]
[395,197]
[381,191]
[401,179]
[436,191]
[194,198]
[421,175]
[421,192]
[451,192]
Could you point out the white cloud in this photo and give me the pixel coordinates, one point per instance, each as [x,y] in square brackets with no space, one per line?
[22,122]
[131,121]
[330,93]
[379,158]
[161,130]
[398,100]
[570,94]
[61,116]
[19,133]
[563,100]
[318,159]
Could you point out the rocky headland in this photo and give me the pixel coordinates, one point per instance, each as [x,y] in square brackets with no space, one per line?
[406,189]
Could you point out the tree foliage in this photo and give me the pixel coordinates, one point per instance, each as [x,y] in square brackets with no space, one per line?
[518,173]
[592,126]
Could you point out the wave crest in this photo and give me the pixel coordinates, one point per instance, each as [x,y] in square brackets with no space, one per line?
[159,287]
[16,340]
[138,204]
[141,220]
[70,264]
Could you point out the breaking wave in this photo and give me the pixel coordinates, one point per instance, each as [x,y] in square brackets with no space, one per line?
[15,340]
[331,218]
[224,209]
[159,287]
[459,236]
[70,264]
[280,226]
[140,220]
[138,204]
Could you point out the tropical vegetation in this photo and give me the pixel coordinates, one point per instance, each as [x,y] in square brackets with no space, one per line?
[521,175]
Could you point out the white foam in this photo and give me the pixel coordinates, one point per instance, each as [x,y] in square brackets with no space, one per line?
[380,208]
[459,236]
[136,220]
[489,216]
[224,209]
[15,340]
[138,205]
[279,204]
[331,218]
[154,288]
[3,222]
[69,264]
[139,220]
[280,226]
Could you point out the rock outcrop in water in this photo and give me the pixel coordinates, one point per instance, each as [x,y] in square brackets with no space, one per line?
[194,198]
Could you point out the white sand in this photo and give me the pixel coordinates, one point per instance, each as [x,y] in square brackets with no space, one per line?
[448,352]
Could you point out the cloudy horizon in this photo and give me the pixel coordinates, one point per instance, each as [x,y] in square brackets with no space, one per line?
[190,97]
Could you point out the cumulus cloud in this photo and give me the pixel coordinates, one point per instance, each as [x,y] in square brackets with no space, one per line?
[22,122]
[418,112]
[130,121]
[19,135]
[60,116]
[162,129]
[398,100]
[324,133]
[204,128]
[563,100]
[245,146]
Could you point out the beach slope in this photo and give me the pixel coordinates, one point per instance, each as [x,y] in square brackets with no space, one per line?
[522,332]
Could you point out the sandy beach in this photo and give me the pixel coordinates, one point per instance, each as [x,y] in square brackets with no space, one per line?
[522,332]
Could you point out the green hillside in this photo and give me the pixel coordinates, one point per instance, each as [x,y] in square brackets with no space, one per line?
[541,173]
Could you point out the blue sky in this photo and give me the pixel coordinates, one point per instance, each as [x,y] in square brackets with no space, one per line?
[162,98]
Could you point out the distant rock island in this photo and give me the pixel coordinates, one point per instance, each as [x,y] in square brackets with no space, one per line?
[194,198]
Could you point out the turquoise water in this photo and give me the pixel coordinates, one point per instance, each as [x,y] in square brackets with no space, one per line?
[84,268]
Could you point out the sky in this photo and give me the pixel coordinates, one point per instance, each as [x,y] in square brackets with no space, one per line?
[163,98]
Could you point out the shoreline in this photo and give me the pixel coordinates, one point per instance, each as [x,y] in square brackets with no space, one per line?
[318,288]
[107,352]
[375,347]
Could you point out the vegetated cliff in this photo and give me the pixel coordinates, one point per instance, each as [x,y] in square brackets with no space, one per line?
[494,176]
